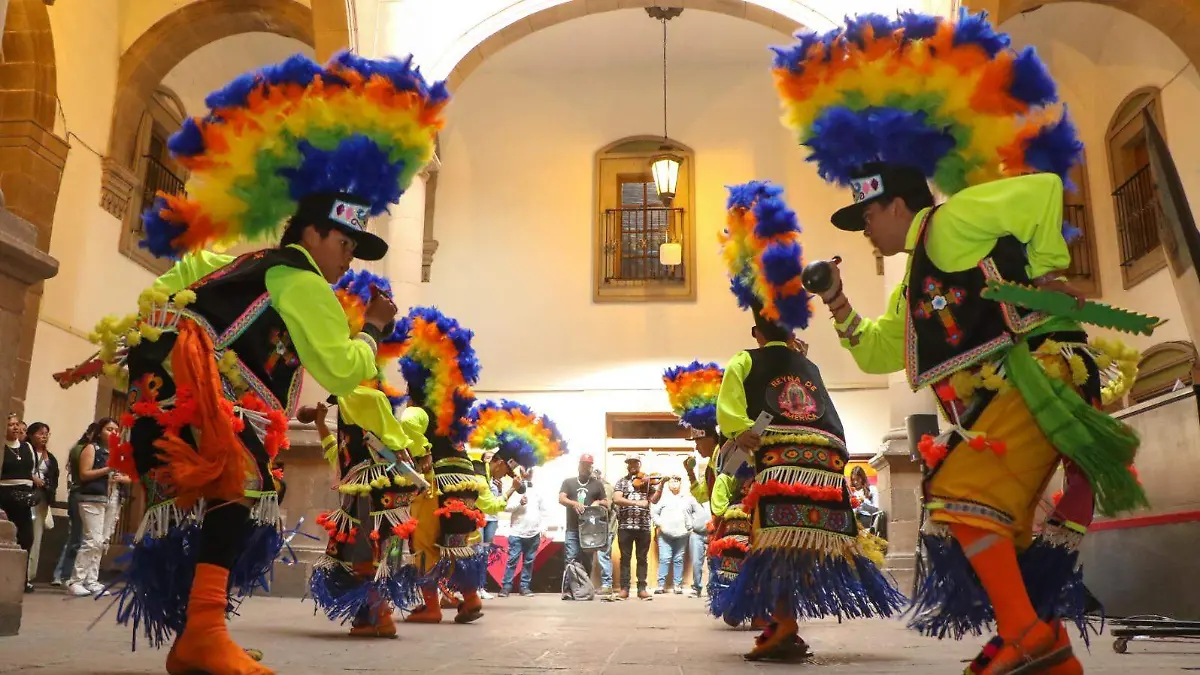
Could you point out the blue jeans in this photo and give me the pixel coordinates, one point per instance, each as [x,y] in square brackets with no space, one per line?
[605,555]
[575,552]
[66,560]
[670,552]
[699,547]
[520,549]
[489,531]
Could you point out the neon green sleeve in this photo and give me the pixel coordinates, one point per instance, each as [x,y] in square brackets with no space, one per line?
[731,399]
[722,494]
[699,491]
[1029,208]
[489,503]
[192,268]
[370,409]
[877,345]
[415,421]
[317,325]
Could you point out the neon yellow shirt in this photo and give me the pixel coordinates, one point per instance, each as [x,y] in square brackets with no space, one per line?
[963,232]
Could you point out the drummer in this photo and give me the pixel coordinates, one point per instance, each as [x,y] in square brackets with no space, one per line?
[578,493]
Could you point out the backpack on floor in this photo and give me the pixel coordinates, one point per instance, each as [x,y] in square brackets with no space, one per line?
[577,583]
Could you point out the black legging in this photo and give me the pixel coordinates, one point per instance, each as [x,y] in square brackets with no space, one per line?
[13,501]
[223,534]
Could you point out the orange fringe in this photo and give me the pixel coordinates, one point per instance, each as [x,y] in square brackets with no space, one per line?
[454,506]
[216,468]
[722,546]
[774,488]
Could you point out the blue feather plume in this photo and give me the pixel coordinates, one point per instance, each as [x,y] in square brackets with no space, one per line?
[842,140]
[358,165]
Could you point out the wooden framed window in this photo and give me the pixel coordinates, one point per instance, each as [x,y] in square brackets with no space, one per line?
[155,170]
[1077,210]
[632,223]
[1135,197]
[1163,368]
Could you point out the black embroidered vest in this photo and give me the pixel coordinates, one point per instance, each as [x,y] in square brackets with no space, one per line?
[949,325]
[784,383]
[233,307]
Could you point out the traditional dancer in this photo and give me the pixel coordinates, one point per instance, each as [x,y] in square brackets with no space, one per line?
[439,364]
[215,358]
[883,106]
[692,393]
[363,573]
[805,559]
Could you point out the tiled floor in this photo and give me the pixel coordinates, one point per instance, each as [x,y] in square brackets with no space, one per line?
[669,635]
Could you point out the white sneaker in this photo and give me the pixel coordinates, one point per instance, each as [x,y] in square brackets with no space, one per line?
[484,595]
[79,590]
[56,583]
[97,588]
[692,593]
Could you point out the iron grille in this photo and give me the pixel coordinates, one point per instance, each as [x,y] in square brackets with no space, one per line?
[632,237]
[1081,257]
[1136,203]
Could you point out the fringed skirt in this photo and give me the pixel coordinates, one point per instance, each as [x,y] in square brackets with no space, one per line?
[464,560]
[726,554]
[154,585]
[365,562]
[805,561]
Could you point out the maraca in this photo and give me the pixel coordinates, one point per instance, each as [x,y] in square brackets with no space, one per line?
[817,276]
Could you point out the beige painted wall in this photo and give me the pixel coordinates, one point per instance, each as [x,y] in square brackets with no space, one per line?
[515,227]
[1106,56]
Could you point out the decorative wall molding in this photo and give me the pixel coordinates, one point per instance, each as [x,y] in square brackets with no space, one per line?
[118,185]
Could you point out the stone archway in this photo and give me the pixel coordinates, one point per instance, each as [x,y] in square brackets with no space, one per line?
[32,159]
[177,35]
[575,9]
[1177,19]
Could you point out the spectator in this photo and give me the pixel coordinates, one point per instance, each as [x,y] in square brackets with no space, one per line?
[16,484]
[631,494]
[66,559]
[524,534]
[576,494]
[45,486]
[698,545]
[605,554]
[864,498]
[672,515]
[92,475]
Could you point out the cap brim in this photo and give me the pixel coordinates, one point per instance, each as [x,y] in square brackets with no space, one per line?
[367,246]
[850,218]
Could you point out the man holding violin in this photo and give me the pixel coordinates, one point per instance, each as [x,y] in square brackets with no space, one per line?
[633,496]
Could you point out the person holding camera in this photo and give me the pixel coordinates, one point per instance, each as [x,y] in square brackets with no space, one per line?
[526,509]
[672,514]
[632,495]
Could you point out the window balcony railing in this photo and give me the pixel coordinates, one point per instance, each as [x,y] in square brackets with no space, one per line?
[1138,213]
[630,242]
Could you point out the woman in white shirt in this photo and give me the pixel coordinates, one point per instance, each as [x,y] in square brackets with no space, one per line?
[672,515]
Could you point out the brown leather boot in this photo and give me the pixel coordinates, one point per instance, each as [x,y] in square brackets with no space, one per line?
[430,612]
[470,609]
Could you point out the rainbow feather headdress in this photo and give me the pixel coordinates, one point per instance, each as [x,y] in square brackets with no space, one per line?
[439,365]
[952,99]
[353,292]
[761,247]
[290,131]
[692,392]
[516,433]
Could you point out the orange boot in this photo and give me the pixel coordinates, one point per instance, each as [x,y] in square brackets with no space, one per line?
[777,641]
[379,624]
[205,645]
[430,612]
[470,609]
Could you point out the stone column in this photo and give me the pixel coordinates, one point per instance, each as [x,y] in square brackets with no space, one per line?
[899,477]
[22,265]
